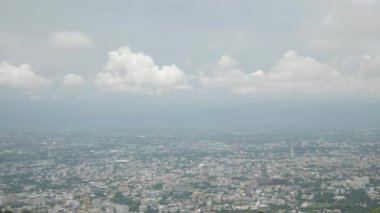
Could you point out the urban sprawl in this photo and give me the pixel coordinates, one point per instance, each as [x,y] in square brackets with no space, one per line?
[332,171]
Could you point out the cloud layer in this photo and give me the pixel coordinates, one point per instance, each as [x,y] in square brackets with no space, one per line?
[349,27]
[70,40]
[292,74]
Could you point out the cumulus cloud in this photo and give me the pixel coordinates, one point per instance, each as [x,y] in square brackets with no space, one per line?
[137,72]
[72,80]
[302,75]
[22,76]
[293,74]
[227,75]
[298,68]
[70,40]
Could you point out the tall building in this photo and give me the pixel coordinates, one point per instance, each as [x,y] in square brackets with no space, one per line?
[291,151]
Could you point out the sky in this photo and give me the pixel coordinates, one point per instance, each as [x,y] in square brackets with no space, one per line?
[209,63]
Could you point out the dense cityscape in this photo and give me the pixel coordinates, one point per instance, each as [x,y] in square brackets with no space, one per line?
[202,106]
[116,171]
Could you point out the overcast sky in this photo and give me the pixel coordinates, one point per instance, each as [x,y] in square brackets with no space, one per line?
[246,63]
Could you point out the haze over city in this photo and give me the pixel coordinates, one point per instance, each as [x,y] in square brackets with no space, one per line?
[171,106]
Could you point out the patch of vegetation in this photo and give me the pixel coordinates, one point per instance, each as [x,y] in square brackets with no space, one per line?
[121,199]
[157,186]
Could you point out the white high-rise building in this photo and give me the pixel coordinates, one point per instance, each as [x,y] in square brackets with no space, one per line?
[291,151]
[121,208]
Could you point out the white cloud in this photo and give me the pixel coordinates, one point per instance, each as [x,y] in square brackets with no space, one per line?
[257,73]
[226,62]
[226,75]
[72,80]
[137,72]
[21,76]
[293,74]
[70,40]
[297,68]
